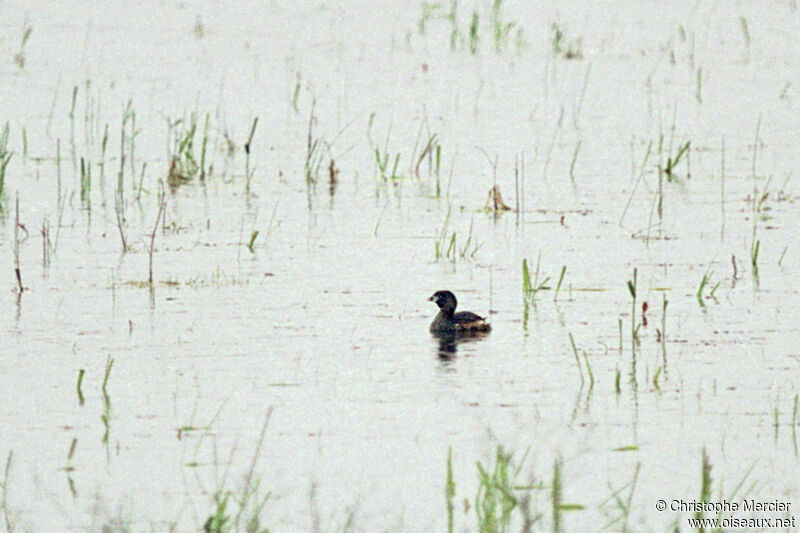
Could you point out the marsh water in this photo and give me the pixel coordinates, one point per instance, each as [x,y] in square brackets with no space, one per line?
[292,369]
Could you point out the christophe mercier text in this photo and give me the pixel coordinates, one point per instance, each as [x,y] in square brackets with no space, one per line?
[729,507]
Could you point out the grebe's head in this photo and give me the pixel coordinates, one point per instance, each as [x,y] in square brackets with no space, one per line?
[444,299]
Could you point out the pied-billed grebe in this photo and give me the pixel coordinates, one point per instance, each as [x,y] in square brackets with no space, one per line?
[448,321]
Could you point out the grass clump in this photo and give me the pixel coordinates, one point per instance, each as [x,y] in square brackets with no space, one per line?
[578,361]
[450,249]
[19,57]
[430,11]
[672,161]
[706,289]
[759,209]
[183,165]
[432,152]
[385,162]
[562,47]
[632,286]
[496,498]
[86,183]
[465,32]
[705,483]
[531,287]
[315,147]
[502,30]
[240,510]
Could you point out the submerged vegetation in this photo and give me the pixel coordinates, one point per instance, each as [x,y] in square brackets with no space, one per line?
[217,278]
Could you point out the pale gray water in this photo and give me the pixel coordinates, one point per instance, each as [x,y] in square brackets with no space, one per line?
[325,323]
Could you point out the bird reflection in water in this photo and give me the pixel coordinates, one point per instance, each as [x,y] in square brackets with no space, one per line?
[448,342]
